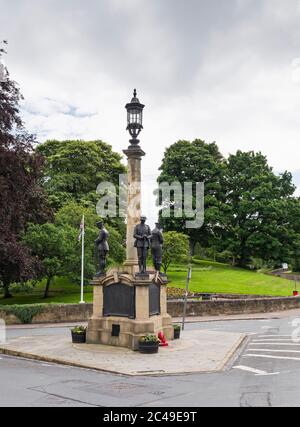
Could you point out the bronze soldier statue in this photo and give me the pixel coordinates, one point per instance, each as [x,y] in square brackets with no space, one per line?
[157,241]
[101,248]
[142,234]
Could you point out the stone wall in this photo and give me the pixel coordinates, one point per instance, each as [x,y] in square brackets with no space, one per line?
[55,313]
[241,306]
[58,313]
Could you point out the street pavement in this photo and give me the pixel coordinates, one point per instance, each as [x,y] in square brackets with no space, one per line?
[196,351]
[264,372]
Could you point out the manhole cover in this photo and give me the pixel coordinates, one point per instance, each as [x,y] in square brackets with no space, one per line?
[124,387]
[115,388]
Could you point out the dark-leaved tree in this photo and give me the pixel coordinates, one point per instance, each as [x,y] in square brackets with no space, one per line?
[21,198]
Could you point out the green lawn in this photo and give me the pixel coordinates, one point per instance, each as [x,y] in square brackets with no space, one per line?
[207,276]
[223,278]
[61,291]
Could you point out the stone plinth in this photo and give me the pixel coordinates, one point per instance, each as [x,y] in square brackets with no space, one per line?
[127,307]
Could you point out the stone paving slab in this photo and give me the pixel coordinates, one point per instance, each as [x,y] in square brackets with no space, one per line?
[196,351]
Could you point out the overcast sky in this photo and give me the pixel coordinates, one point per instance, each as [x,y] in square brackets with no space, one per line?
[220,70]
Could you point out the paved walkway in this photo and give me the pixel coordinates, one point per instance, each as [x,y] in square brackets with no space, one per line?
[196,351]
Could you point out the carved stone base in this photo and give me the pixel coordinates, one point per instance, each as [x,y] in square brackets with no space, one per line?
[123,332]
[142,276]
[128,306]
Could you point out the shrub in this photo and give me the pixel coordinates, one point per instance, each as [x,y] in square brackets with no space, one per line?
[177,293]
[25,313]
[149,338]
[260,264]
[24,288]
[79,330]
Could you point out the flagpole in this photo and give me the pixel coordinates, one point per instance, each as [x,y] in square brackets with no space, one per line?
[82,261]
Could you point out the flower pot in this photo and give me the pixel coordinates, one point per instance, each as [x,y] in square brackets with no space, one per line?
[295,293]
[78,338]
[176,334]
[148,347]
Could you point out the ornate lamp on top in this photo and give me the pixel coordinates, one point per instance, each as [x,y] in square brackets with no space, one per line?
[134,118]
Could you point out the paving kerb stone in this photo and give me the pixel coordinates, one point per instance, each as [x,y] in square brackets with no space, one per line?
[197,351]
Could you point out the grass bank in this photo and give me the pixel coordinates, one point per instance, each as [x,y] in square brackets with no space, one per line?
[207,276]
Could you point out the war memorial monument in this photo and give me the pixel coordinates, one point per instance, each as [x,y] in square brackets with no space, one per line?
[131,301]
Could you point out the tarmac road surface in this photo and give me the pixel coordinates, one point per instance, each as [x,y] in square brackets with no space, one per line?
[264,372]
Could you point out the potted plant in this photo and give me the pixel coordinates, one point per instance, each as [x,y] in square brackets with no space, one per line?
[177,330]
[78,334]
[295,292]
[148,344]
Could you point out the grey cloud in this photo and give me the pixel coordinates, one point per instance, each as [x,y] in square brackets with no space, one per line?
[160,45]
[205,68]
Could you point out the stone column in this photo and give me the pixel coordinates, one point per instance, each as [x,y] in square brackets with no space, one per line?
[134,156]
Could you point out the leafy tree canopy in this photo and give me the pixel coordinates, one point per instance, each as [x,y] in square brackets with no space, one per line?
[250,212]
[196,161]
[260,219]
[74,169]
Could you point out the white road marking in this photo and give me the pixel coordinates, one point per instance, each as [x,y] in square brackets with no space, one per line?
[273,336]
[275,343]
[257,372]
[267,356]
[274,339]
[275,351]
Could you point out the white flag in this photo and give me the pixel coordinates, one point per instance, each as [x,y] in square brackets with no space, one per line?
[81,229]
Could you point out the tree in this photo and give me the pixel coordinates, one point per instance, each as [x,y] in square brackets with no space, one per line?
[53,246]
[70,216]
[259,219]
[175,249]
[59,250]
[196,161]
[74,169]
[21,198]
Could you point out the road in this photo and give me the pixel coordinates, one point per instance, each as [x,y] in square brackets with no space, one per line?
[265,372]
